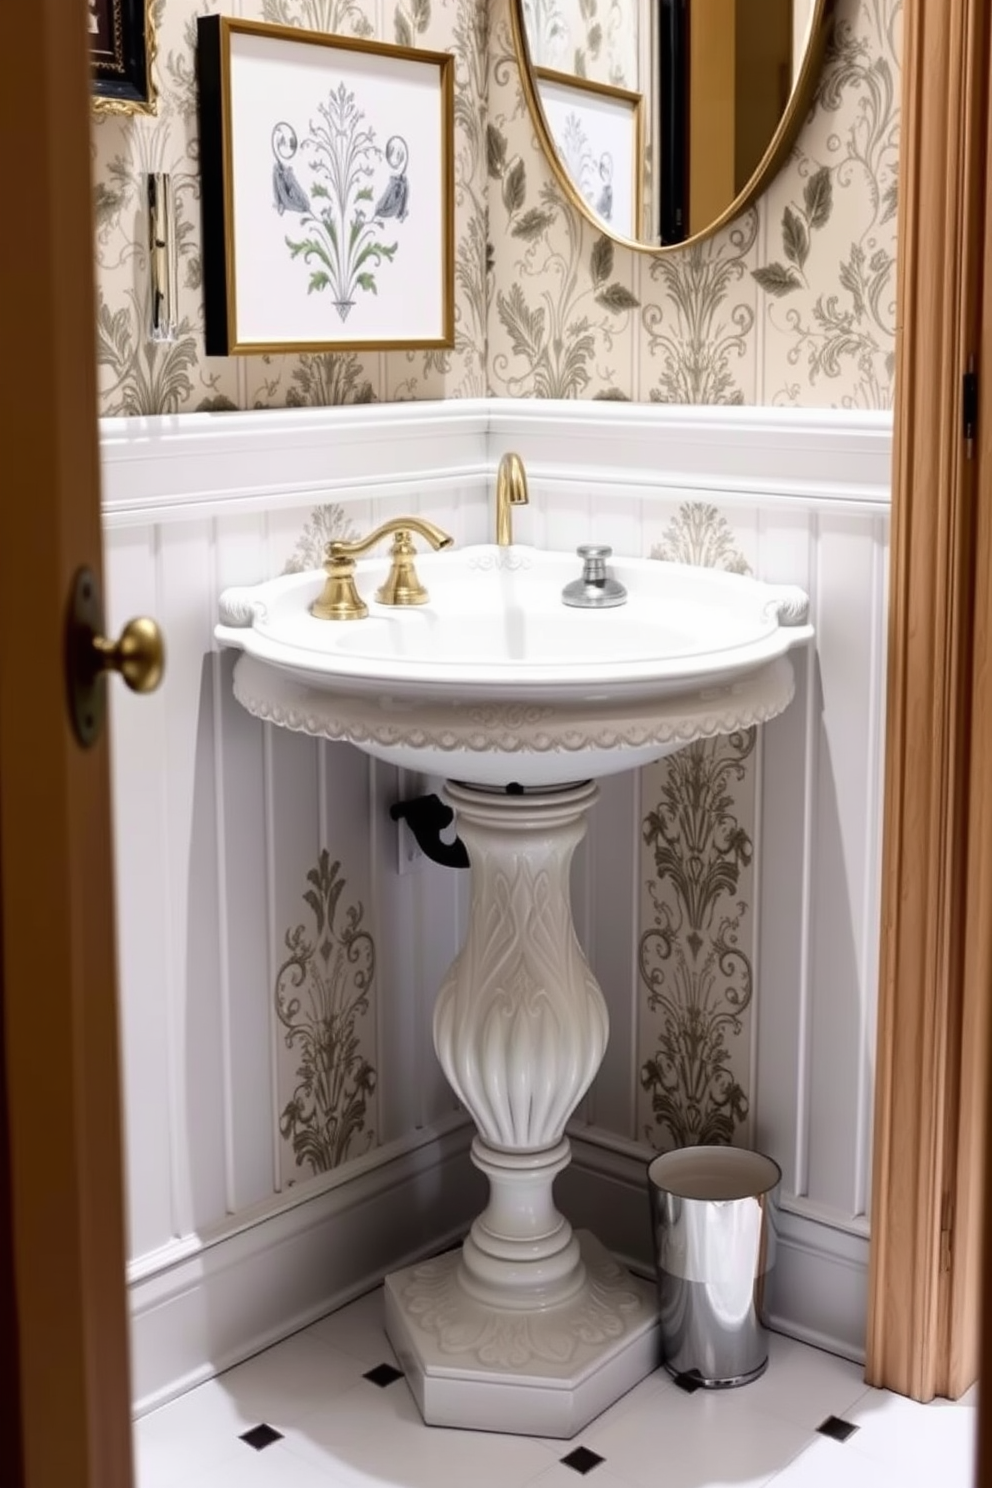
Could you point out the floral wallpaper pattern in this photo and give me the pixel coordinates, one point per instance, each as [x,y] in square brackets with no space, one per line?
[791,304]
[696,907]
[590,38]
[141,377]
[691,962]
[328,523]
[323,1002]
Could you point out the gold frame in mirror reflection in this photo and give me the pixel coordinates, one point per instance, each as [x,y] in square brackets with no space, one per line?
[634,103]
[800,102]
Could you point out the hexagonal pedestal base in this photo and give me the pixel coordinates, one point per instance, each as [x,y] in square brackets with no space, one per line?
[531,1373]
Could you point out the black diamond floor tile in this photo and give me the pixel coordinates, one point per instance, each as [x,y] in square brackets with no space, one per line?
[383,1375]
[836,1428]
[582,1460]
[261,1436]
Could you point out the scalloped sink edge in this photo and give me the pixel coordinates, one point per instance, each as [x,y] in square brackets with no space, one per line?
[495,681]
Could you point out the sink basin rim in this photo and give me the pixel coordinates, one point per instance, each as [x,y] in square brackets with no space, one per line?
[501,677]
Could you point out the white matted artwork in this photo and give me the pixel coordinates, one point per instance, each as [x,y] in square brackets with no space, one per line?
[597,132]
[327,191]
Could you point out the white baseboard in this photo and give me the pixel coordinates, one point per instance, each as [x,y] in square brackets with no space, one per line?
[818,1289]
[604,1189]
[200,1313]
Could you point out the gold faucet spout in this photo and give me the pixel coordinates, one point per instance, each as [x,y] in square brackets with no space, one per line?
[511,491]
[337,548]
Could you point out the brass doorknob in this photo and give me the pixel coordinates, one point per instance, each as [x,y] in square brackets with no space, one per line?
[138,654]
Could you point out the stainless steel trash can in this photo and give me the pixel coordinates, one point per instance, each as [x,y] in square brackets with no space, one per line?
[712,1213]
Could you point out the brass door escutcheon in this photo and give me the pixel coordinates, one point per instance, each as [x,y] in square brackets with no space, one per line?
[138,655]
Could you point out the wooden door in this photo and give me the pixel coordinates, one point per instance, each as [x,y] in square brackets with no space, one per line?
[63,1319]
[936,973]
[978,971]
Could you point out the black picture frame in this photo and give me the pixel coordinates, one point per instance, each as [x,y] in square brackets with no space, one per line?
[121,51]
[673,103]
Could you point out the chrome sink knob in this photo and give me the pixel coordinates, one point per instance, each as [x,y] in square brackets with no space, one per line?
[596,590]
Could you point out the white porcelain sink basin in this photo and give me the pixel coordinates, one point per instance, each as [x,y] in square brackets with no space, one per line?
[495,681]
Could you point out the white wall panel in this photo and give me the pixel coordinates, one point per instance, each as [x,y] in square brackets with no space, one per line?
[138,754]
[403,1041]
[218,819]
[292,849]
[614,852]
[440,903]
[247,1071]
[848,678]
[782,871]
[619,525]
[785,876]
[186,575]
[871,909]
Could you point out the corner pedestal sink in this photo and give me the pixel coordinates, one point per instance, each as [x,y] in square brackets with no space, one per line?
[522,703]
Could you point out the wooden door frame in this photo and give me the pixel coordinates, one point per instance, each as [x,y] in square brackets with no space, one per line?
[978,970]
[63,1250]
[936,962]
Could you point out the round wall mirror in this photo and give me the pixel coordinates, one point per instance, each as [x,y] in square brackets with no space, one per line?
[663,119]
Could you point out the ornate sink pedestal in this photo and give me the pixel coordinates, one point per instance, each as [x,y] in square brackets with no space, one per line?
[528,1328]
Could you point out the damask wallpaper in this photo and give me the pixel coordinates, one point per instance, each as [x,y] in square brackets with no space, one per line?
[696,916]
[323,1002]
[138,376]
[590,38]
[792,304]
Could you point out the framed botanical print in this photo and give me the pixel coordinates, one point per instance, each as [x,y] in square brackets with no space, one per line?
[597,130]
[122,48]
[327,191]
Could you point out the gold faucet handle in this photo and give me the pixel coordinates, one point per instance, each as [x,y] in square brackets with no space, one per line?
[402,586]
[340,599]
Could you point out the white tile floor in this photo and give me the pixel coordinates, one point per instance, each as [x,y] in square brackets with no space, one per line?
[337,1428]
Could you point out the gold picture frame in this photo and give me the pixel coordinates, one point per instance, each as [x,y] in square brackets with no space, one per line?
[122,54]
[591,104]
[327,167]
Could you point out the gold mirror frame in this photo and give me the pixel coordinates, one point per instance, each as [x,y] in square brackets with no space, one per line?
[781,142]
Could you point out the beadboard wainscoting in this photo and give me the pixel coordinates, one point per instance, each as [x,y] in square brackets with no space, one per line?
[290,1136]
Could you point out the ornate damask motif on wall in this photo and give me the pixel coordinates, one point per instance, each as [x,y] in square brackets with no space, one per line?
[328,523]
[793,303]
[590,38]
[693,959]
[322,1001]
